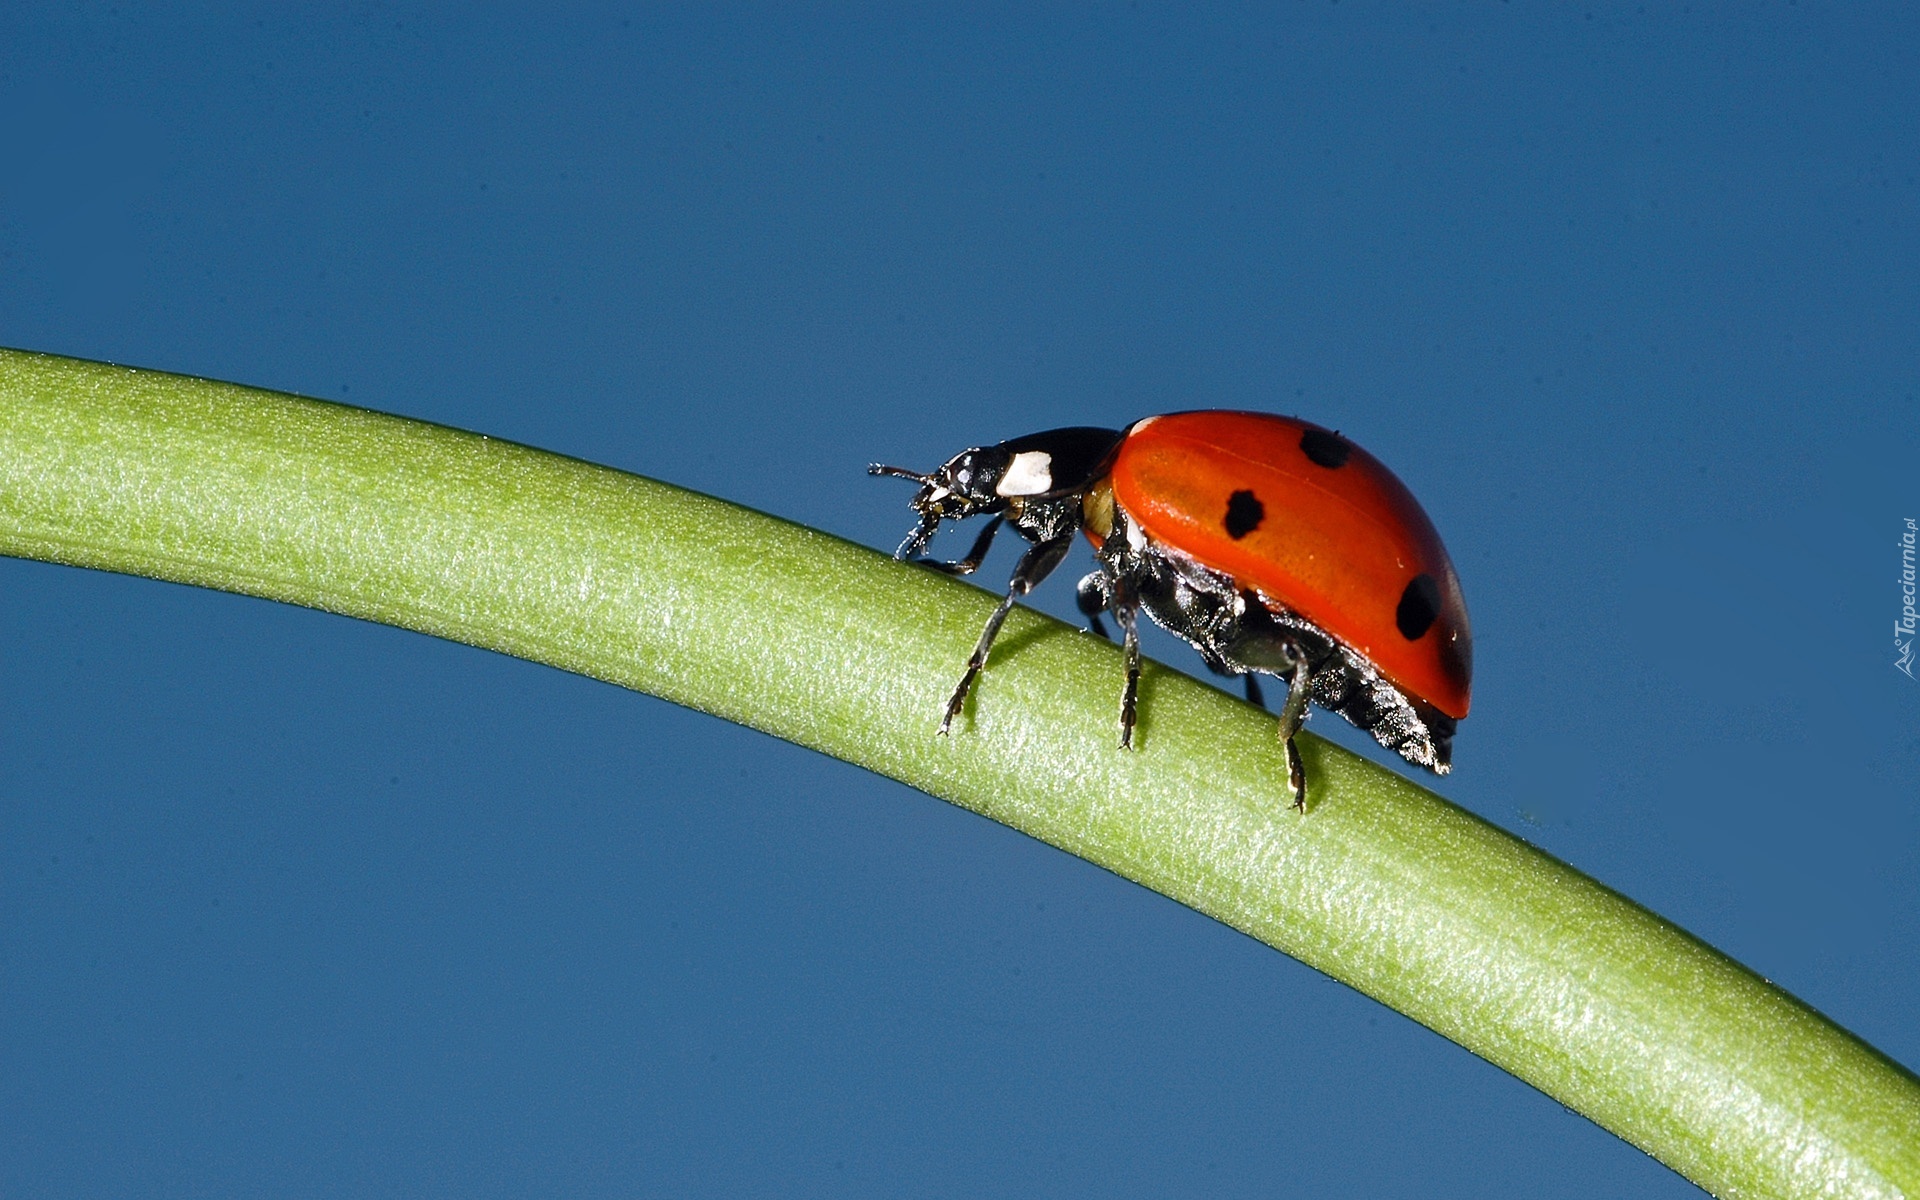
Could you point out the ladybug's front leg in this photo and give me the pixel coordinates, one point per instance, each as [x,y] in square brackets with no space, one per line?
[1034,566]
[1293,714]
[971,562]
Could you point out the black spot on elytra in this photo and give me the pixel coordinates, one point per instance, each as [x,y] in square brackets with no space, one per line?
[1244,514]
[1419,605]
[1325,449]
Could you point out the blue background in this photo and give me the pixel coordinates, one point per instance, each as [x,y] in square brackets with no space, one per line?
[293,905]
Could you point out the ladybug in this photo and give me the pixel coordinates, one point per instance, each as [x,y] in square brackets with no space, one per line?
[1271,544]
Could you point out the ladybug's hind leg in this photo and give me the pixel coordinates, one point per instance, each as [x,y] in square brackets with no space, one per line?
[1254,695]
[1035,565]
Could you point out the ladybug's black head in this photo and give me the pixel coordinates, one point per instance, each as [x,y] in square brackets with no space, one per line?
[966,486]
[987,479]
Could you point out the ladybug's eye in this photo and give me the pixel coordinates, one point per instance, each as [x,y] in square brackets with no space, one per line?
[975,473]
[965,475]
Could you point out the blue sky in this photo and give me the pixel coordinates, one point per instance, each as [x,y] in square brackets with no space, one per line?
[293,905]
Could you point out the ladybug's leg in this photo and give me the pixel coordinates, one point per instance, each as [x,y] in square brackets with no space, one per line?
[1293,713]
[971,562]
[1099,591]
[1034,566]
[1091,595]
[917,540]
[1254,695]
[1125,609]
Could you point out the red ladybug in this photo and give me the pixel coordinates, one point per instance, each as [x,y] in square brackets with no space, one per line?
[1271,544]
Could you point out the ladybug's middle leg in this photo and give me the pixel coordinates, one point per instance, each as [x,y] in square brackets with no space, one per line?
[1035,565]
[1090,596]
[1293,714]
[1100,592]
[1125,610]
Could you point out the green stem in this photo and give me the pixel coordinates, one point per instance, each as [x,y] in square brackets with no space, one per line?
[1382,885]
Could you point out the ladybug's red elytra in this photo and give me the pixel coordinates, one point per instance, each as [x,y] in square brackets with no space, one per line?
[1272,545]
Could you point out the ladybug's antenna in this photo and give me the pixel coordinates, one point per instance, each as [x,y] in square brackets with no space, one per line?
[899,473]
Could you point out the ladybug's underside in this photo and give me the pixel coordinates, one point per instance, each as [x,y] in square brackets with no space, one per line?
[1237,631]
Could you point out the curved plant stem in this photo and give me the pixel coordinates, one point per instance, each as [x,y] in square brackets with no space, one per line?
[1382,885]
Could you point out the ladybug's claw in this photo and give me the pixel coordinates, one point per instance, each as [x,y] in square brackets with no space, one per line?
[958,700]
[1296,778]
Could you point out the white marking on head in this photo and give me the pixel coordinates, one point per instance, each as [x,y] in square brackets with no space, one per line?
[1136,538]
[1030,474]
[939,493]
